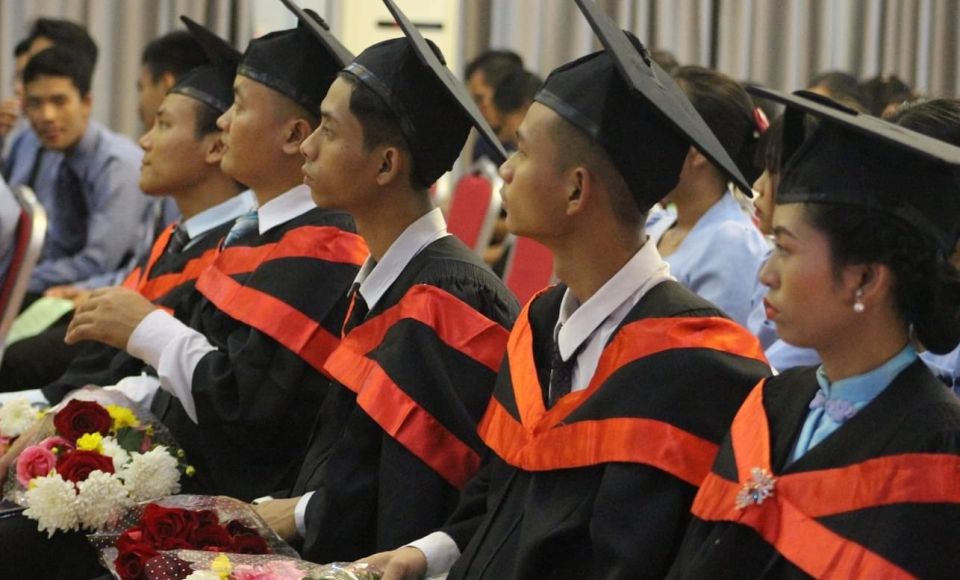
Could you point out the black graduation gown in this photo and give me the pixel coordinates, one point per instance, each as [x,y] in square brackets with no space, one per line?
[167,279]
[397,435]
[878,498]
[600,485]
[273,308]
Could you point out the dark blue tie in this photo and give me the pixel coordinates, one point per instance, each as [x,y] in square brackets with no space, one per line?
[244,225]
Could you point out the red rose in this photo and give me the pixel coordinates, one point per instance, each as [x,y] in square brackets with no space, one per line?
[249,544]
[77,465]
[212,538]
[167,528]
[206,517]
[82,417]
[132,560]
[129,537]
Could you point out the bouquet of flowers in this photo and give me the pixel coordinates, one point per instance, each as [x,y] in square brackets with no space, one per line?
[192,565]
[90,464]
[179,535]
[16,417]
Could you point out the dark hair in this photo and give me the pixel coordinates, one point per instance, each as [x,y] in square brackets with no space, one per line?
[727,110]
[68,34]
[495,65]
[379,123]
[60,61]
[839,85]
[926,286]
[175,53]
[516,91]
[937,118]
[665,59]
[882,91]
[206,119]
[22,47]
[769,152]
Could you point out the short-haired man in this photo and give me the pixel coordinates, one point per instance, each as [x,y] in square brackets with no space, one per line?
[165,60]
[396,437]
[619,383]
[240,385]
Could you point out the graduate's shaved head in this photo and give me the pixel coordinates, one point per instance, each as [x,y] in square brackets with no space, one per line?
[573,147]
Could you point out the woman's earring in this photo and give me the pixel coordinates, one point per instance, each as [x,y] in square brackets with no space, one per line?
[858,306]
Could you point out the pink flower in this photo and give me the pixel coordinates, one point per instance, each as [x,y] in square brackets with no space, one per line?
[275,570]
[35,461]
[57,442]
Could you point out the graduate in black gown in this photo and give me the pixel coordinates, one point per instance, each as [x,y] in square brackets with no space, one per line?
[182,159]
[618,383]
[396,439]
[850,469]
[240,379]
[208,201]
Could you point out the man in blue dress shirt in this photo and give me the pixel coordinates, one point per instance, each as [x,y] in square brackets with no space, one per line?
[95,207]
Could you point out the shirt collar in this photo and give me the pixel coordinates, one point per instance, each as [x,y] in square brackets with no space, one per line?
[279,210]
[376,277]
[577,322]
[219,214]
[865,387]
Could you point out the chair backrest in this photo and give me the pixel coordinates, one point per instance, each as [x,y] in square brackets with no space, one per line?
[475,206]
[31,230]
[529,268]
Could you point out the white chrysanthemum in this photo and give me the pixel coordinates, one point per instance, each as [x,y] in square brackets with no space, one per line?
[16,416]
[113,450]
[151,475]
[203,575]
[52,504]
[101,500]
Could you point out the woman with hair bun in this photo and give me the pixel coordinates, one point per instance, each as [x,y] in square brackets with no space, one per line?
[849,469]
[711,244]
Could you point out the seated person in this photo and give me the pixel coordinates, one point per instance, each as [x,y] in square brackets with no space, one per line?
[613,395]
[712,246]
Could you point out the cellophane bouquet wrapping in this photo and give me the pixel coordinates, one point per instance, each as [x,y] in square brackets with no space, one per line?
[90,460]
[198,565]
[184,536]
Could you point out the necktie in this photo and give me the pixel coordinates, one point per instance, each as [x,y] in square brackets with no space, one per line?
[178,240]
[561,373]
[244,225]
[358,309]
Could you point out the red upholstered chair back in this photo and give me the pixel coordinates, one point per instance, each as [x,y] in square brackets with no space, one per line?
[529,268]
[475,206]
[31,230]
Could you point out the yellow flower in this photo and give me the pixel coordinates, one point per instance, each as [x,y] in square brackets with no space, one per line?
[221,566]
[90,442]
[149,430]
[190,471]
[122,417]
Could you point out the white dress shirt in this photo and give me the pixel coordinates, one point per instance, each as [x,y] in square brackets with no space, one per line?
[589,324]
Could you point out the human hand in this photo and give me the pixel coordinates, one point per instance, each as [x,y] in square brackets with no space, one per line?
[279,514]
[77,295]
[407,563]
[110,316]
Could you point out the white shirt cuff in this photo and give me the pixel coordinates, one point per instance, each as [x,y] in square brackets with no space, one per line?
[300,514]
[174,350]
[440,550]
[139,389]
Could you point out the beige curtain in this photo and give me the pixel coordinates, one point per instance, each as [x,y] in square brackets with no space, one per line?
[780,43]
[121,28]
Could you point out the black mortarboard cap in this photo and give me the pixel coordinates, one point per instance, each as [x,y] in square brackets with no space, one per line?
[211,84]
[859,160]
[294,63]
[434,109]
[634,110]
[321,30]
